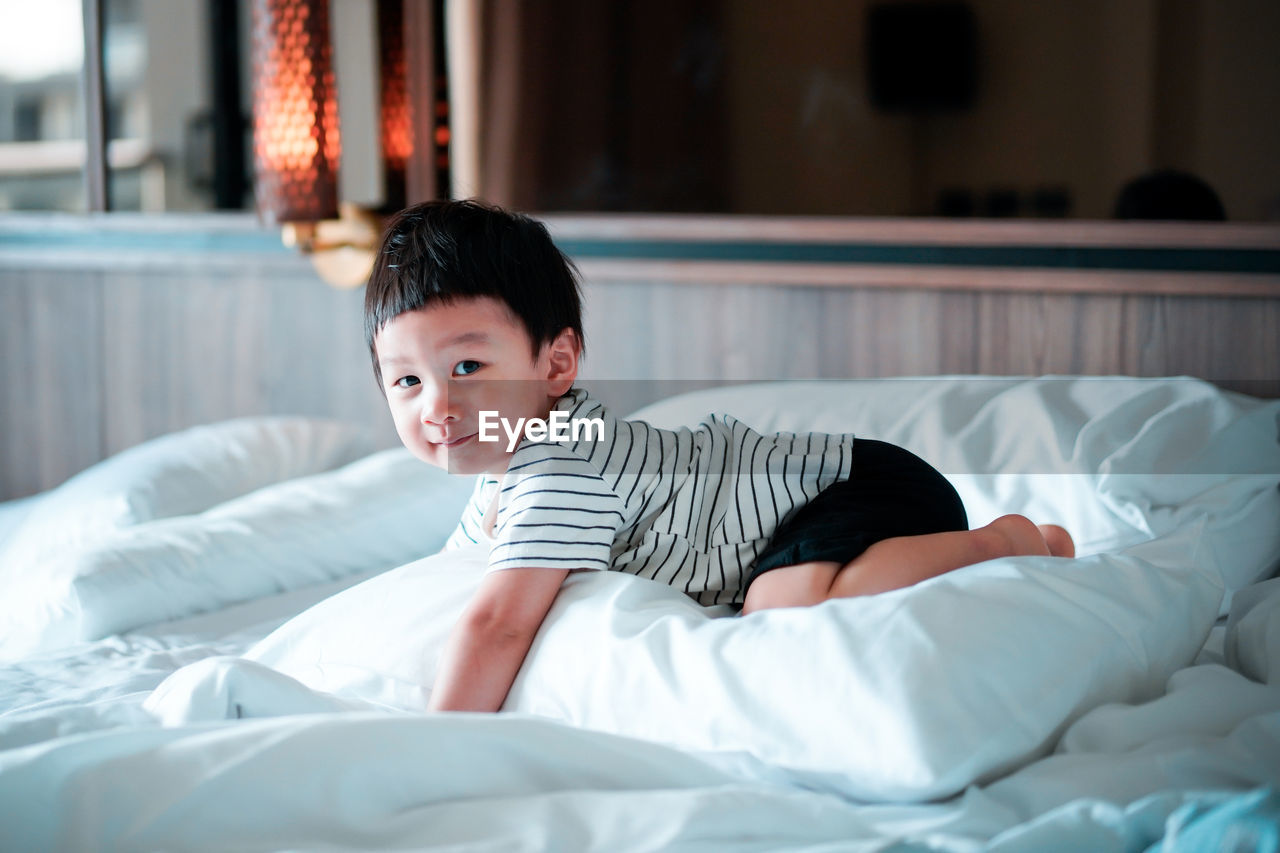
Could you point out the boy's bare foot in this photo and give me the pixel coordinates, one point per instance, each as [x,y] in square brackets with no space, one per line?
[1023,538]
[1058,539]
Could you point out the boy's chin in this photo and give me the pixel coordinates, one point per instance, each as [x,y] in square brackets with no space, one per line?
[466,465]
[452,466]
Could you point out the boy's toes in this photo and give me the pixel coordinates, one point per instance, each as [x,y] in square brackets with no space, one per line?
[1058,539]
[1024,538]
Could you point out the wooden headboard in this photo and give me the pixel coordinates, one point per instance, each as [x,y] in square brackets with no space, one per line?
[121,328]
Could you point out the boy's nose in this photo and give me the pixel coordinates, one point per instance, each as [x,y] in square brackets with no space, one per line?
[435,406]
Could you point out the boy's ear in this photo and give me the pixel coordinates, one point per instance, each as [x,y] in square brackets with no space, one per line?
[562,358]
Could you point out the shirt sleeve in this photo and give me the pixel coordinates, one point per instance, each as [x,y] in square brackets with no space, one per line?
[470,528]
[554,511]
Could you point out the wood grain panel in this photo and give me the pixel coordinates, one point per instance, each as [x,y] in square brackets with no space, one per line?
[218,347]
[52,378]
[114,349]
[753,332]
[177,356]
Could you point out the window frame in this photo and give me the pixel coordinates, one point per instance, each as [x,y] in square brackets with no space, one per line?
[93,73]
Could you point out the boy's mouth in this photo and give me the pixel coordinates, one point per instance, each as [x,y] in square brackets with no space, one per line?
[454,442]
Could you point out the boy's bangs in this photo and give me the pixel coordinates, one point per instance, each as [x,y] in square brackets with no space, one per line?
[441,252]
[411,286]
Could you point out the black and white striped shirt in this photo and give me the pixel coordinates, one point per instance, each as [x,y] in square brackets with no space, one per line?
[691,507]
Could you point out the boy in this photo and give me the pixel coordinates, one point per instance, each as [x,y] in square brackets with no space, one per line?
[473,319]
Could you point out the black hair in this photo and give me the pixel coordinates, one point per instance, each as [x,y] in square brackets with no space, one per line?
[1169,194]
[438,252]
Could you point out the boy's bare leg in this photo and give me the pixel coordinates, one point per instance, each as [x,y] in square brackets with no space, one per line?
[903,561]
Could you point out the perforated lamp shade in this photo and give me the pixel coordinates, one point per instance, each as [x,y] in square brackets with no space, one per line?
[395,117]
[295,111]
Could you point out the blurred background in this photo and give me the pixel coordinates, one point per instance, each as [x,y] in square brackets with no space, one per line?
[987,108]
[158,156]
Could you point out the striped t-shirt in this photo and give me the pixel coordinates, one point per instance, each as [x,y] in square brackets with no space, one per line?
[691,507]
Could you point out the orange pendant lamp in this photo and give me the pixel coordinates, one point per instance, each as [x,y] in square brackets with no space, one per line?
[295,133]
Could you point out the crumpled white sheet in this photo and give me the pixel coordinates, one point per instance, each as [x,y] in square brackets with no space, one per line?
[1200,761]
[379,781]
[102,684]
[1124,776]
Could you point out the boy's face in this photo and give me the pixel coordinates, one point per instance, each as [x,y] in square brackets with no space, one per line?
[443,365]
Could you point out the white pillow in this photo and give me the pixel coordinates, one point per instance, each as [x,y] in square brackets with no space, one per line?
[379,641]
[372,514]
[12,514]
[1116,460]
[177,474]
[904,696]
[1253,633]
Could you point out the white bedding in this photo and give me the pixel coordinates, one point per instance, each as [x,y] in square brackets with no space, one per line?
[1022,704]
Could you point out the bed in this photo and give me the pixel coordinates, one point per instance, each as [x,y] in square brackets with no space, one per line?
[222,639]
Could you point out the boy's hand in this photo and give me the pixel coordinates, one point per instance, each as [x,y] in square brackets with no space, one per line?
[489,643]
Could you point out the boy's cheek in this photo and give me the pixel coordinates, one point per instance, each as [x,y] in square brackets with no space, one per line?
[405,427]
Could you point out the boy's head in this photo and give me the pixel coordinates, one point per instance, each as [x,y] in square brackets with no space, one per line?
[470,310]
[440,252]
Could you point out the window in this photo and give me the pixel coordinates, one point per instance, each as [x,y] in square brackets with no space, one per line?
[176,104]
[41,109]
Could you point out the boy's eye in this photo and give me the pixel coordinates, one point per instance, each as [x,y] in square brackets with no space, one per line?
[465,368]
[406,381]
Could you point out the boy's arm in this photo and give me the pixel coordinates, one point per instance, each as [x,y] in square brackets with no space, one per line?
[488,644]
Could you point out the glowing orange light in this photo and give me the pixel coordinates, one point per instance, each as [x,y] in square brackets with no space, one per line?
[295,108]
[397,124]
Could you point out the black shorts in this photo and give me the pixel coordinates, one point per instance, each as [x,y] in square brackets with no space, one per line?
[891,492]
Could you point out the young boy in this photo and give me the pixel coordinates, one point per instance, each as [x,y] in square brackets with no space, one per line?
[472,317]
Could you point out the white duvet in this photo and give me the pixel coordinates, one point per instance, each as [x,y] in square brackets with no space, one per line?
[1004,705]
